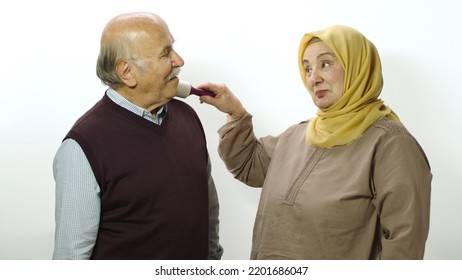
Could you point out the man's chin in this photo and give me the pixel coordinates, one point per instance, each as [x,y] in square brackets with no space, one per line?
[173,81]
[172,86]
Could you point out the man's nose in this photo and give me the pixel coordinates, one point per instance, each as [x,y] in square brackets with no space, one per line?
[177,61]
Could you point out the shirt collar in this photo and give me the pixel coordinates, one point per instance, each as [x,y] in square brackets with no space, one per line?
[124,103]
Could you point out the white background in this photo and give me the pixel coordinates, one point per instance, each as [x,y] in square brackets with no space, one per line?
[47,73]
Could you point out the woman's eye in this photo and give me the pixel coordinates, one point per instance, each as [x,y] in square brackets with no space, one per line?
[326,64]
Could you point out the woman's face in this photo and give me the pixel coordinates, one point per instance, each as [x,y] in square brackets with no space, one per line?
[324,74]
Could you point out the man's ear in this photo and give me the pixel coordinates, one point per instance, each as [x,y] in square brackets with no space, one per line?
[125,72]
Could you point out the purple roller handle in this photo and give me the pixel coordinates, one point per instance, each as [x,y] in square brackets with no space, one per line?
[200,92]
[185,89]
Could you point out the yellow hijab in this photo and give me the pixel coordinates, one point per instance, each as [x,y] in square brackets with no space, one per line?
[359,107]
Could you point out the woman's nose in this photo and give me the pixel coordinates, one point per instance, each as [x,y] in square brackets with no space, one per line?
[315,77]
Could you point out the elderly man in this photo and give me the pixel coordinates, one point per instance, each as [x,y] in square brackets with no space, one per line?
[133,176]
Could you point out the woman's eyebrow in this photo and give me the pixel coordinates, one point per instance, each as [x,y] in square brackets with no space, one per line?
[319,56]
[323,54]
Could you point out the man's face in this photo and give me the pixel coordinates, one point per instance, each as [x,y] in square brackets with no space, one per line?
[160,63]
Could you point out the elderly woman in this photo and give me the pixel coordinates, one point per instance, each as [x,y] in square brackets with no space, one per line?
[350,183]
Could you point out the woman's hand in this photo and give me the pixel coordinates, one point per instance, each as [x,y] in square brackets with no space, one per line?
[224,100]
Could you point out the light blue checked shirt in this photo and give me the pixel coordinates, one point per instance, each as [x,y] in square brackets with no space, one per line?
[77,210]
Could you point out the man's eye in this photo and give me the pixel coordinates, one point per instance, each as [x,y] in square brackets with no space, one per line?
[166,53]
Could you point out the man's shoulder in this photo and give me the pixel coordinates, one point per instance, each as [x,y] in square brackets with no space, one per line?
[176,106]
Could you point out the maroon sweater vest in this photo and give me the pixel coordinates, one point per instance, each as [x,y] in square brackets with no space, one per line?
[153,180]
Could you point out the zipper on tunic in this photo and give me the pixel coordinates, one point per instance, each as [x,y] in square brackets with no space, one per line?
[303,175]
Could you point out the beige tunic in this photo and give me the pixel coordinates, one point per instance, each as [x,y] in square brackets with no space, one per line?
[366,200]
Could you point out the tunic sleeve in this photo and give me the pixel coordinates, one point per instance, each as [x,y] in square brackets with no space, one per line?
[402,183]
[246,157]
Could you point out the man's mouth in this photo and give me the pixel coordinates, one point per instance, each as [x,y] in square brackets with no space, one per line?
[173,74]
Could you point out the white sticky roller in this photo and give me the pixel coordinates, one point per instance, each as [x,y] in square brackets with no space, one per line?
[185,89]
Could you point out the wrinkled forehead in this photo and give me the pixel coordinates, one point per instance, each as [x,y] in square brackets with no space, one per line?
[317,50]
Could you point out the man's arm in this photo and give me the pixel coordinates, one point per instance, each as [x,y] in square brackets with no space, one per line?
[77,209]
[215,249]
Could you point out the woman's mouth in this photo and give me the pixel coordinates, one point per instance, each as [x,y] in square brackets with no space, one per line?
[321,93]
